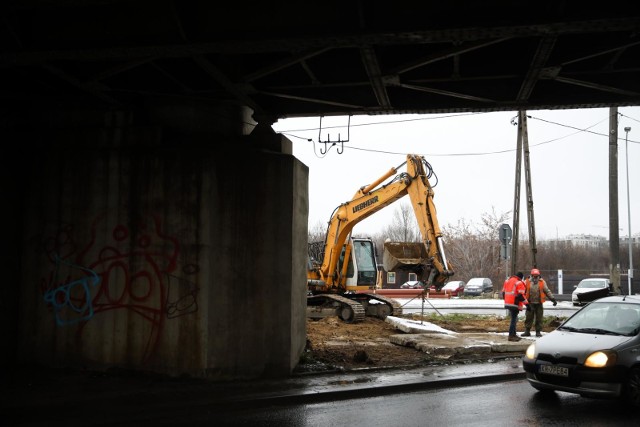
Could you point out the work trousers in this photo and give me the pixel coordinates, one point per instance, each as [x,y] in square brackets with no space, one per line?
[536,312]
[513,312]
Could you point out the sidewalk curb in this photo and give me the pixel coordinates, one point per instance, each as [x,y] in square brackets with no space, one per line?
[355,390]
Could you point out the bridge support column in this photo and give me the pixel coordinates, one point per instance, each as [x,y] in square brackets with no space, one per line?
[154,247]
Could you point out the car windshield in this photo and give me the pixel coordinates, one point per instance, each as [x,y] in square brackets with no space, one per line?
[605,318]
[591,284]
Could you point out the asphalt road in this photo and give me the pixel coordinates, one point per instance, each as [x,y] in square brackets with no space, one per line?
[76,399]
[503,403]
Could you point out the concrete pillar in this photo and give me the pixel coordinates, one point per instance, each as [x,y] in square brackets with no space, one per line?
[160,247]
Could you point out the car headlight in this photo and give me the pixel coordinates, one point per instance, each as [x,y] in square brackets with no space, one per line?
[600,359]
[531,352]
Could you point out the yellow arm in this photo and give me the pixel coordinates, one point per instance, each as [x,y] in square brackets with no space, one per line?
[371,199]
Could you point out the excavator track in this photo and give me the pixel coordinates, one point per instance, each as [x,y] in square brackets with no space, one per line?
[325,305]
[377,305]
[396,308]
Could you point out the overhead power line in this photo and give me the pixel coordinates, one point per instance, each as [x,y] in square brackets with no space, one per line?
[290,133]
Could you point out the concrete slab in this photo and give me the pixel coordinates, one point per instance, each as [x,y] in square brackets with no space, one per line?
[442,343]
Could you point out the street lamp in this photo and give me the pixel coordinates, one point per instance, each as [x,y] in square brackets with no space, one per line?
[630,272]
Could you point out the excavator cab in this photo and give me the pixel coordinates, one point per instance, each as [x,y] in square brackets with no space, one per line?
[361,271]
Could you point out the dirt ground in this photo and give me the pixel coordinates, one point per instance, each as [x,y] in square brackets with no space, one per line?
[334,344]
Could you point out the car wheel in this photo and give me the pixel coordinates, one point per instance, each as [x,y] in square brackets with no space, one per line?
[633,387]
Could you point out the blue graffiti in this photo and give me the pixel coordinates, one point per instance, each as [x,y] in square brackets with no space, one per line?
[65,296]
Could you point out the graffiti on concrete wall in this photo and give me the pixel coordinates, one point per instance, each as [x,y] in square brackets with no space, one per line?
[118,268]
[73,296]
[181,297]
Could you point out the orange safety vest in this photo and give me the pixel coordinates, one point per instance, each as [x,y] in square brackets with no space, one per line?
[541,283]
[512,287]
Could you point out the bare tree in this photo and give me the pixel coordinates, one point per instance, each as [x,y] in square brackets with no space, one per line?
[403,227]
[318,232]
[315,239]
[474,250]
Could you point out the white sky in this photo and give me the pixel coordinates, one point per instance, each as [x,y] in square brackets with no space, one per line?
[473,157]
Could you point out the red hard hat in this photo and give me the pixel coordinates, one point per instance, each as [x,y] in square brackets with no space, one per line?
[535,272]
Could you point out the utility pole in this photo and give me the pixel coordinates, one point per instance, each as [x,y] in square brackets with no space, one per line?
[630,271]
[505,235]
[527,174]
[614,233]
[516,199]
[523,145]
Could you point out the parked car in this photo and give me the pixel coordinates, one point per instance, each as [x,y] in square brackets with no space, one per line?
[455,288]
[478,286]
[594,353]
[591,289]
[412,284]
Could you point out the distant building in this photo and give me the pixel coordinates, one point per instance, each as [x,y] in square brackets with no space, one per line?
[635,240]
[589,241]
[581,240]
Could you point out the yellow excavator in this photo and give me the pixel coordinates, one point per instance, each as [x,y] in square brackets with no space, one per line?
[340,279]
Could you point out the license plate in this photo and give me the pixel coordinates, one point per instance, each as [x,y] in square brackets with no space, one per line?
[554,370]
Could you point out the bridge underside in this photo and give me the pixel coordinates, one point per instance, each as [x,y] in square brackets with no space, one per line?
[286,59]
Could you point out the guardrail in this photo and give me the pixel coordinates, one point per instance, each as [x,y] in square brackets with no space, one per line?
[411,293]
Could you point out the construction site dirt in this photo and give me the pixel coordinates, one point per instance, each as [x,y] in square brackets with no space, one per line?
[333,344]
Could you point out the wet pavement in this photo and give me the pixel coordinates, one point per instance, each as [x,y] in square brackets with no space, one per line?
[42,396]
[111,398]
[385,381]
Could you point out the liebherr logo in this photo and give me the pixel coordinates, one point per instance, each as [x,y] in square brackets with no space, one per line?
[365,204]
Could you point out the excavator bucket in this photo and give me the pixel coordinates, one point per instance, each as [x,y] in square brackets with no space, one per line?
[404,255]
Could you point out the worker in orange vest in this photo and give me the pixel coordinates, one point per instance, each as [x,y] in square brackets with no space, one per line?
[536,292]
[513,291]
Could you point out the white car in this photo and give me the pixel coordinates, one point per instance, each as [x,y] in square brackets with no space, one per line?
[412,284]
[591,289]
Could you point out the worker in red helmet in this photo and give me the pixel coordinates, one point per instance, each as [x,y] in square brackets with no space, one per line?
[536,292]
